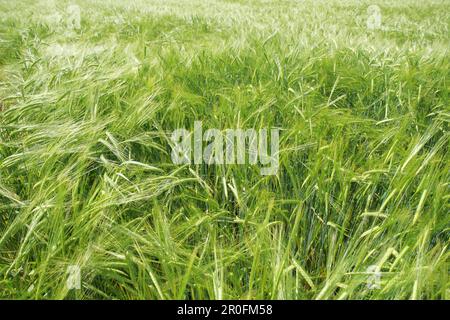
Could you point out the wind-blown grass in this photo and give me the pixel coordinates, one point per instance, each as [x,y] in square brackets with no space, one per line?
[86,177]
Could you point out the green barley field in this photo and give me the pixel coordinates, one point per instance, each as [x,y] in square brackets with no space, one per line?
[93,207]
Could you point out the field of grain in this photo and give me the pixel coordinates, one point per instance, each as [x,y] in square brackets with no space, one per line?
[93,207]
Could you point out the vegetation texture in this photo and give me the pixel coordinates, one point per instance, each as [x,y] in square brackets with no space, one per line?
[86,177]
